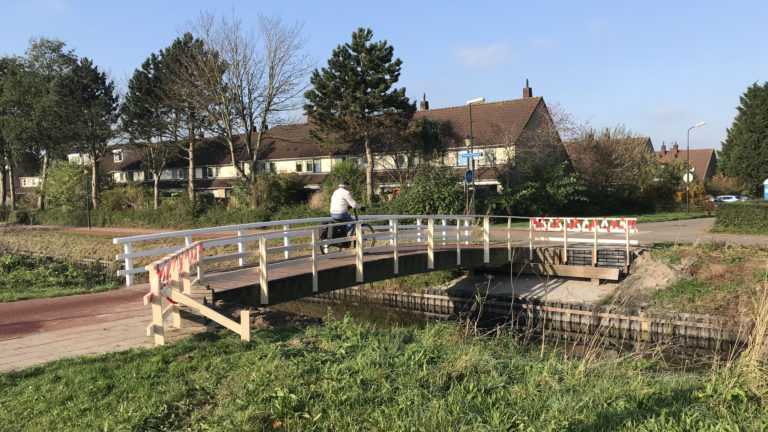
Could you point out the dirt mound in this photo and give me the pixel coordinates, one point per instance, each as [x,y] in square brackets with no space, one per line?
[648,275]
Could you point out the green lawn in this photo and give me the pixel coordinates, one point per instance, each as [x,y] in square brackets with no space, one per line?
[344,376]
[23,277]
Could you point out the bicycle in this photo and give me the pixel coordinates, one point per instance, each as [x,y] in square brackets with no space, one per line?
[338,231]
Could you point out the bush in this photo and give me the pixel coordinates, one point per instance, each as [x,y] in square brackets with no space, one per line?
[749,216]
[270,192]
[350,171]
[433,190]
[5,212]
[133,196]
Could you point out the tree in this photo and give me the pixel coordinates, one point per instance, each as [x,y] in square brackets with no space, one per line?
[744,153]
[177,79]
[89,106]
[46,62]
[403,151]
[352,100]
[241,85]
[150,121]
[68,187]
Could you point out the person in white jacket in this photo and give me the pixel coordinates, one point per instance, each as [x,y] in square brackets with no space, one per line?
[341,201]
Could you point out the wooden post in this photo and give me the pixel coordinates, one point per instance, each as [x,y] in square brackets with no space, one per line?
[509,238]
[430,244]
[157,309]
[486,239]
[564,258]
[245,325]
[443,222]
[391,230]
[594,250]
[626,256]
[286,240]
[466,232]
[314,260]
[176,283]
[418,230]
[530,240]
[359,253]
[240,248]
[128,248]
[187,240]
[186,277]
[396,251]
[458,242]
[263,282]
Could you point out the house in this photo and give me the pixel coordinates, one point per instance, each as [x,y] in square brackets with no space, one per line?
[499,129]
[703,161]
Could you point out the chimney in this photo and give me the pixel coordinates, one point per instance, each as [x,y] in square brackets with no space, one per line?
[527,91]
[674,149]
[663,149]
[424,104]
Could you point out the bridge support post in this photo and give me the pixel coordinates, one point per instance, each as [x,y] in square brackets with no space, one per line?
[286,240]
[396,249]
[158,330]
[128,249]
[564,258]
[430,244]
[359,253]
[486,239]
[509,239]
[458,242]
[263,270]
[314,260]
[240,248]
[418,230]
[594,250]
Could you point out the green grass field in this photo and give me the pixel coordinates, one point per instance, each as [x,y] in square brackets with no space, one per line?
[345,376]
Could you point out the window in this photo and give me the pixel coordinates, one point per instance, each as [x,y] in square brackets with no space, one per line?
[148,175]
[263,166]
[74,158]
[299,166]
[309,166]
[272,167]
[117,155]
[316,165]
[211,172]
[400,161]
[490,157]
[129,176]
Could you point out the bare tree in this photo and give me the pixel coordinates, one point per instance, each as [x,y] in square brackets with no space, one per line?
[240,85]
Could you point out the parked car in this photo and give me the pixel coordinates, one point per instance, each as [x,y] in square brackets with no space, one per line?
[729,198]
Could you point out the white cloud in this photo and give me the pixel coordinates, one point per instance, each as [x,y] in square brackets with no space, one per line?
[666,112]
[484,57]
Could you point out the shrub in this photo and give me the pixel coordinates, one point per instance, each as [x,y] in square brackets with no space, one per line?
[749,216]
[133,196]
[346,170]
[270,192]
[433,190]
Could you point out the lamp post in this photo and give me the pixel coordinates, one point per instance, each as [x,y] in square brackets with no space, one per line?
[470,160]
[688,176]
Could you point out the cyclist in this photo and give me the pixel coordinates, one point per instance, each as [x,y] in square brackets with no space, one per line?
[341,201]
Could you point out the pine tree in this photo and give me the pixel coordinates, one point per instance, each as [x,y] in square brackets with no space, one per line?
[745,150]
[352,99]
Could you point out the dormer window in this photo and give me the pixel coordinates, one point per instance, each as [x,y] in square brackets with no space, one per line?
[117,155]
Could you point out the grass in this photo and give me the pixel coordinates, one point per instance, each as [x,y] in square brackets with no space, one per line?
[738,230]
[23,277]
[348,377]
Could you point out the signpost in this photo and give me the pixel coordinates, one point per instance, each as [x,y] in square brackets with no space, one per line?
[468,176]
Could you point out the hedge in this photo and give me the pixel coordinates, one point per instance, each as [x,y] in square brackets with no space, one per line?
[748,216]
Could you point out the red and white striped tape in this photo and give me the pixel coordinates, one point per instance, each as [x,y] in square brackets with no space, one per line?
[602,225]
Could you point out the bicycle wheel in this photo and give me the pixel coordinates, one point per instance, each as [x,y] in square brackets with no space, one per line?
[368,240]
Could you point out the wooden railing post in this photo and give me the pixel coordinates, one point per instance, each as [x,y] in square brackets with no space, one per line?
[431,243]
[158,329]
[418,230]
[486,239]
[564,258]
[443,222]
[359,253]
[240,248]
[594,250]
[128,248]
[396,249]
[509,239]
[466,232]
[314,260]
[391,230]
[286,240]
[458,241]
[263,282]
[530,240]
[626,256]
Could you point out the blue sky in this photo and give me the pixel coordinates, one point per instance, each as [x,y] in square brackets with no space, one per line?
[657,67]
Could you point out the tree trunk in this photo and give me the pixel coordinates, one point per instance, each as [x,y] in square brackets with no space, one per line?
[12,186]
[368,171]
[191,171]
[157,190]
[94,183]
[3,184]
[41,195]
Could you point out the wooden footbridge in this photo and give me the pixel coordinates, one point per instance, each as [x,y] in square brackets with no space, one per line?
[273,262]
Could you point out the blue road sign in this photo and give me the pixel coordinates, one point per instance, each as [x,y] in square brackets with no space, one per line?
[475,154]
[468,176]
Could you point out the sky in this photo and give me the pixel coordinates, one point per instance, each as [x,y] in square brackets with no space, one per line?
[657,67]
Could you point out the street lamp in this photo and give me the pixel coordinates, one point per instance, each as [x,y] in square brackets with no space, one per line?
[470,160]
[688,176]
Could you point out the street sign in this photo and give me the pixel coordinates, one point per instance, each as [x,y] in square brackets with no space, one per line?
[468,176]
[688,177]
[471,155]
